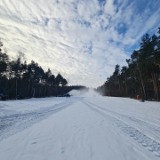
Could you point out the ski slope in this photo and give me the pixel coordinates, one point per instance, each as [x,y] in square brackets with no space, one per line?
[85,126]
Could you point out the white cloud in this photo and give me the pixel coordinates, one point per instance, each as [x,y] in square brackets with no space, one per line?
[110,8]
[79,38]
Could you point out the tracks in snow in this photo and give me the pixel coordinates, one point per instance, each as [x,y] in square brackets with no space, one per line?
[14,123]
[121,121]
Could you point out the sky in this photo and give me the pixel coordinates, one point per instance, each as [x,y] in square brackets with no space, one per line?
[81,39]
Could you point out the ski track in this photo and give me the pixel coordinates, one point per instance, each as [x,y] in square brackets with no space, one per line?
[118,119]
[11,124]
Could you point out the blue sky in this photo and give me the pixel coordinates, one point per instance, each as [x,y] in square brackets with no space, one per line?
[81,39]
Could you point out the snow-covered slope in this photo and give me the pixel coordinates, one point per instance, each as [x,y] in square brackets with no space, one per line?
[84,127]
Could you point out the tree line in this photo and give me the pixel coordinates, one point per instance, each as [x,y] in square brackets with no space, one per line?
[141,76]
[20,80]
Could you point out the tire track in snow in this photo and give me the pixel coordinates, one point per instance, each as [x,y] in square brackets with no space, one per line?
[145,141]
[12,124]
[154,129]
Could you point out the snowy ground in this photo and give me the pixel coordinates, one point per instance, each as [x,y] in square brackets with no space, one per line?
[83,127]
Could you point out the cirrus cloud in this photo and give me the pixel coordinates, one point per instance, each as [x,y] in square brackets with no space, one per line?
[83,40]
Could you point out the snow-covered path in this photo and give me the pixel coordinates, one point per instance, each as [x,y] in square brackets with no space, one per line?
[15,116]
[86,127]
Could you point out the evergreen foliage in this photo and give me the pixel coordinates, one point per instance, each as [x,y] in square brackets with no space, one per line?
[19,80]
[141,76]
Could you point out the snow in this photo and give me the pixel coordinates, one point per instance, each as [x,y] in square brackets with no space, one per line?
[84,93]
[76,93]
[83,127]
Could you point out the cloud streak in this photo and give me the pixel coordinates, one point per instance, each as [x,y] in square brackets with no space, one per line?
[83,40]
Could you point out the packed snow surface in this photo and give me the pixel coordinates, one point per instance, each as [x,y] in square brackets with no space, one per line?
[85,126]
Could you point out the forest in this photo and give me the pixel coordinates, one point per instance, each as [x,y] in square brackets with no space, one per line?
[19,80]
[141,77]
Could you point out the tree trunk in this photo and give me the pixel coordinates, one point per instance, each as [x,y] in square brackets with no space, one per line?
[142,82]
[155,86]
[16,88]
